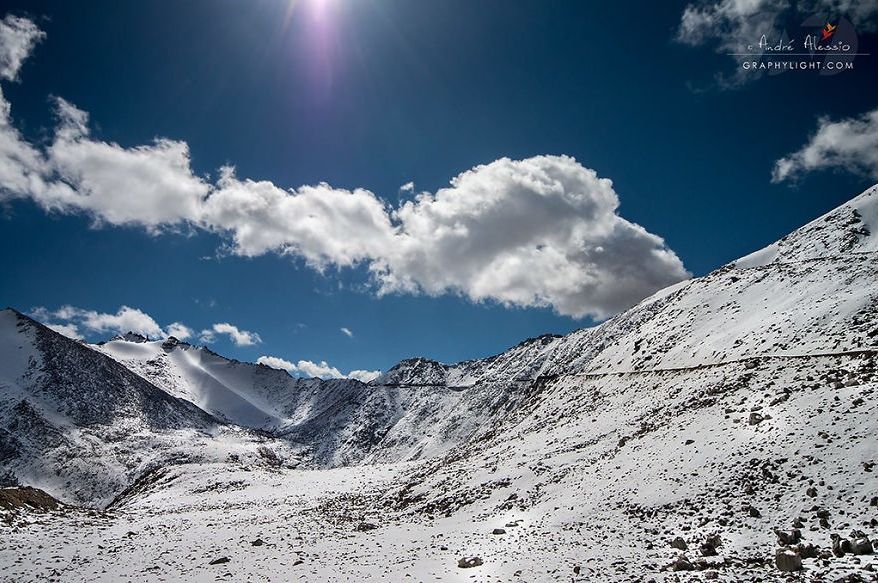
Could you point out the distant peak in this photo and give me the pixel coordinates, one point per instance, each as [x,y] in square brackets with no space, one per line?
[130,337]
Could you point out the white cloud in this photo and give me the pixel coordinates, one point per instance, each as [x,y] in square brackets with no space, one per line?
[18,36]
[540,232]
[537,232]
[407,187]
[320,370]
[179,331]
[150,186]
[239,337]
[278,363]
[851,144]
[69,330]
[346,332]
[71,319]
[728,21]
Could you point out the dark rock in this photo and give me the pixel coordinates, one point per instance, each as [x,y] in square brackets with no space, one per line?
[812,492]
[787,560]
[364,526]
[753,511]
[498,531]
[840,546]
[258,542]
[469,562]
[790,537]
[755,418]
[861,546]
[679,543]
[27,497]
[219,561]
[681,563]
[807,551]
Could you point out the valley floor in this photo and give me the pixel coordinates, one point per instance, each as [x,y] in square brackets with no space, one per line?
[225,522]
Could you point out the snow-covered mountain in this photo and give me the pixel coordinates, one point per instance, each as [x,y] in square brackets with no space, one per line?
[82,426]
[679,435]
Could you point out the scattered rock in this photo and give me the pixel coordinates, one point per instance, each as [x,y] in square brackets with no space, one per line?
[220,561]
[787,560]
[861,545]
[470,562]
[807,551]
[258,542]
[755,418]
[788,537]
[840,546]
[364,526]
[681,563]
[679,543]
[498,531]
[753,511]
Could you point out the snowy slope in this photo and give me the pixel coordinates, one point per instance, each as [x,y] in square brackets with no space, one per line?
[82,427]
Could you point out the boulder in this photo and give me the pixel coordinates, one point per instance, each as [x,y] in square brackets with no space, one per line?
[681,563]
[788,537]
[469,562]
[787,560]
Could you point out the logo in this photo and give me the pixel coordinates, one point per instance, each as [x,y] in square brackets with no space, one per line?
[828,31]
[826,46]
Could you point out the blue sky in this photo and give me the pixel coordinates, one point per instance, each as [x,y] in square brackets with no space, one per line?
[368,94]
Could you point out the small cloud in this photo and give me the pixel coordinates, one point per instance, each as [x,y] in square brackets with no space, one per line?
[347,332]
[180,331]
[69,330]
[851,144]
[127,319]
[407,187]
[18,36]
[320,369]
[236,335]
[278,363]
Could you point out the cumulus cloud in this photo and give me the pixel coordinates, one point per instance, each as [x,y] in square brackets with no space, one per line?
[539,232]
[179,331]
[239,337]
[69,330]
[276,362]
[850,144]
[18,36]
[346,332]
[69,320]
[320,370]
[407,187]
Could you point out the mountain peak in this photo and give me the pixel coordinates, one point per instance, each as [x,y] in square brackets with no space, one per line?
[130,337]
